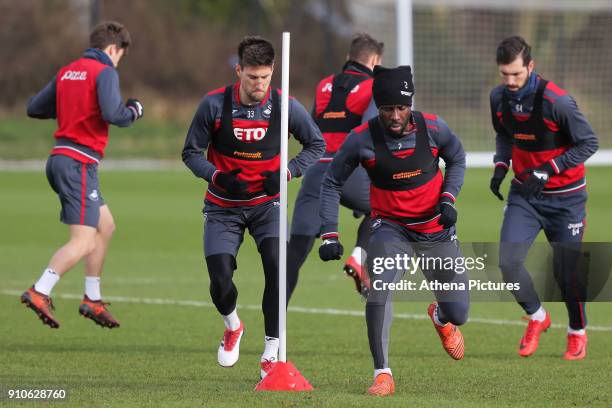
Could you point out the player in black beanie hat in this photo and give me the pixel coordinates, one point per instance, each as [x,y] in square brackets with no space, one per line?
[392,91]
[413,210]
[393,86]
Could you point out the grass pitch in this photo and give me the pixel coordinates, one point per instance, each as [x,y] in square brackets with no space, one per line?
[165,352]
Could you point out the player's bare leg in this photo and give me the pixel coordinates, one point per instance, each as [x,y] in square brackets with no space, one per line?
[37,298]
[94,261]
[92,306]
[82,242]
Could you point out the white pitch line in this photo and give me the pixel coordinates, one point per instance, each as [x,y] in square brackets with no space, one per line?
[295,309]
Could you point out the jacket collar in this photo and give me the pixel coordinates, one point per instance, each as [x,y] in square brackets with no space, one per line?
[351,65]
[98,55]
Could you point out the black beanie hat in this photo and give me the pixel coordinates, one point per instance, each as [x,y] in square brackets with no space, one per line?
[393,86]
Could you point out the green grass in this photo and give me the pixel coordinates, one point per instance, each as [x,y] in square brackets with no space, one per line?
[162,136]
[22,138]
[165,355]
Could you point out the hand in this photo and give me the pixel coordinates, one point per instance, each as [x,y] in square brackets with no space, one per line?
[498,176]
[271,183]
[331,249]
[448,213]
[229,182]
[534,184]
[136,106]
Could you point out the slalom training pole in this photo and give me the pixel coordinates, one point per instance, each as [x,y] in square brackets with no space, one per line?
[283,376]
[282,233]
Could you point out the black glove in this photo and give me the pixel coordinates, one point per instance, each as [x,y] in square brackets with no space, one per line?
[498,176]
[229,182]
[136,106]
[534,184]
[271,183]
[331,249]
[448,213]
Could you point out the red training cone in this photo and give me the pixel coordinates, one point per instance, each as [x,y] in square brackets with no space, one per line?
[284,377]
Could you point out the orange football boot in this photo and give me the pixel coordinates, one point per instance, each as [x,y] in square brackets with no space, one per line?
[41,305]
[450,335]
[530,341]
[96,311]
[576,347]
[359,274]
[383,385]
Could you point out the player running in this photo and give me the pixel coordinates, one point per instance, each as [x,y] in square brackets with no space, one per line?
[342,102]
[85,98]
[413,210]
[541,130]
[239,126]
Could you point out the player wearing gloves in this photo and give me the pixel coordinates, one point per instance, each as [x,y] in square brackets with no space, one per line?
[412,204]
[239,126]
[85,98]
[543,133]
